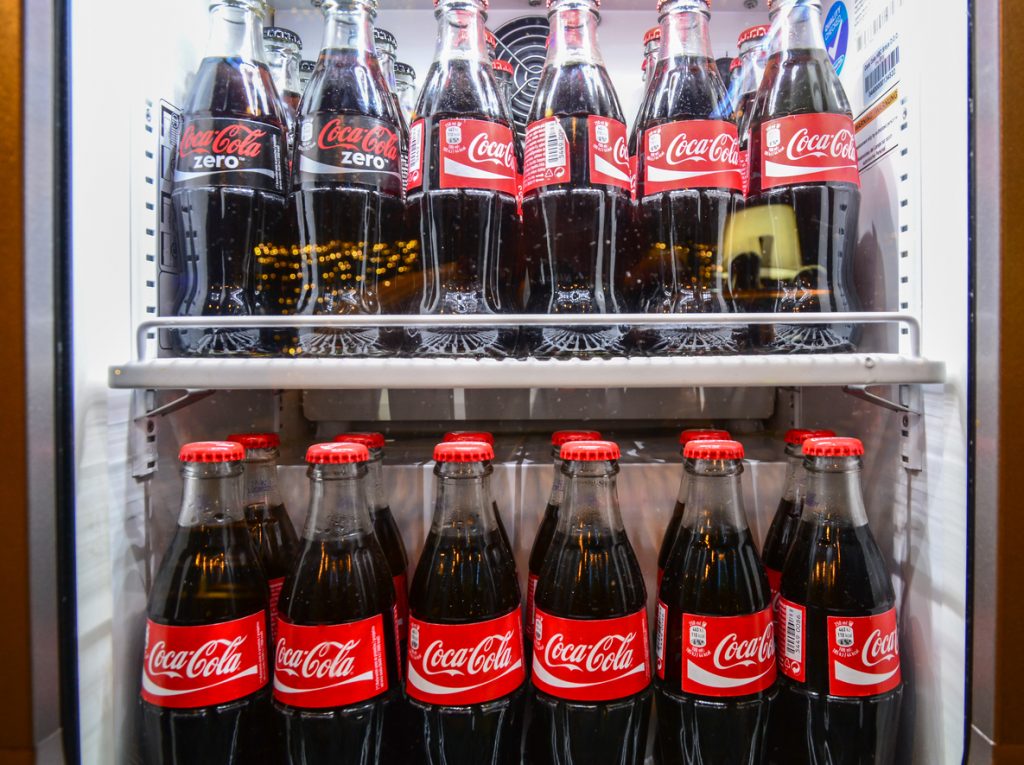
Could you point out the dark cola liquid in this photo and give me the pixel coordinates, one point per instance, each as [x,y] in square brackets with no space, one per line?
[681,233]
[464,234]
[821,218]
[390,539]
[781,534]
[465,575]
[209,574]
[671,532]
[338,581]
[221,229]
[274,537]
[541,545]
[833,570]
[714,572]
[591,573]
[350,229]
[572,230]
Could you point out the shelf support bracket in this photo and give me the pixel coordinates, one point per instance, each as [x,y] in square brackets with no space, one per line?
[862,392]
[910,407]
[142,438]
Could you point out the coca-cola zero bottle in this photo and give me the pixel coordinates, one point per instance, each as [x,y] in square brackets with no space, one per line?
[206,673]
[576,188]
[337,677]
[591,698]
[838,639]
[230,174]
[466,678]
[283,49]
[715,644]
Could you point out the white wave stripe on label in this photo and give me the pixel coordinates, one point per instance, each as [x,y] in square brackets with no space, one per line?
[856,677]
[308,165]
[604,166]
[466,171]
[186,175]
[279,686]
[417,680]
[662,175]
[158,690]
[702,676]
[777,170]
[540,671]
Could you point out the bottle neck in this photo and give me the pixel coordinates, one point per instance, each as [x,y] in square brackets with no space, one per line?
[283,62]
[684,482]
[573,36]
[460,32]
[376,495]
[796,25]
[591,498]
[349,27]
[337,503]
[684,30]
[833,491]
[212,494]
[557,482]
[236,31]
[463,498]
[386,57]
[261,478]
[715,499]
[793,488]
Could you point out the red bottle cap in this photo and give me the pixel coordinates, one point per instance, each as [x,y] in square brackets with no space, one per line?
[500,65]
[590,451]
[337,453]
[734,64]
[562,437]
[754,33]
[468,435]
[797,436]
[212,451]
[369,440]
[718,449]
[652,34]
[643,65]
[463,451]
[256,440]
[489,37]
[707,434]
[833,447]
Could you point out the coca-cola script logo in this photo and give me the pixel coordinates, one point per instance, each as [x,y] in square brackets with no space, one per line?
[477,154]
[691,154]
[376,139]
[330,665]
[591,659]
[236,139]
[483,150]
[728,655]
[465,663]
[204,665]
[218,151]
[808,148]
[608,152]
[864,654]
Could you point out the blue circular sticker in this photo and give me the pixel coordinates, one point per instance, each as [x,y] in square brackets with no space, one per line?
[837,34]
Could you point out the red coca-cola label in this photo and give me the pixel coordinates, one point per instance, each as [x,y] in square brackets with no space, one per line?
[791,639]
[414,175]
[274,585]
[863,654]
[745,170]
[609,152]
[531,608]
[458,664]
[401,605]
[329,665]
[350,149]
[476,154]
[591,659]
[187,667]
[546,154]
[691,154]
[633,160]
[808,148]
[728,655]
[227,151]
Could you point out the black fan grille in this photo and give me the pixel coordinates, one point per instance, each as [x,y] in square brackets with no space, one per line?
[523,43]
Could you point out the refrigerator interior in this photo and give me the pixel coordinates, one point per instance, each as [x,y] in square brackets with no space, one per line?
[909,93]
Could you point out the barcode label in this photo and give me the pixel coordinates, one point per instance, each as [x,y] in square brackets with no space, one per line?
[794,633]
[659,645]
[789,632]
[554,145]
[870,29]
[879,74]
[414,166]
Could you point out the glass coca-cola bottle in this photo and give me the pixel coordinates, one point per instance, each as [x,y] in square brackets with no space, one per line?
[576,188]
[230,177]
[838,637]
[271,528]
[745,81]
[787,516]
[337,678]
[652,48]
[503,74]
[591,699]
[283,48]
[206,672]
[688,183]
[804,195]
[466,678]
[463,183]
[455,436]
[347,186]
[715,644]
[672,530]
[405,82]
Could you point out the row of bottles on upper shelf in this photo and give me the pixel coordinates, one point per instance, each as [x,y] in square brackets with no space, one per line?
[714,204]
[362,672]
